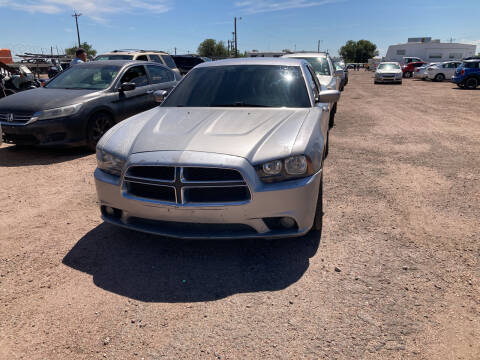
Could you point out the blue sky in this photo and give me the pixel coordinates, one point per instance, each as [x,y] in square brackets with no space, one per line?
[266,25]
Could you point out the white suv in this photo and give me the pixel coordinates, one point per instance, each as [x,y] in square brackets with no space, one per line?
[141,55]
[329,77]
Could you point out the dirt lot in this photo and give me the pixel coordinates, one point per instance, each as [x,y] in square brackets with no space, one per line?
[395,275]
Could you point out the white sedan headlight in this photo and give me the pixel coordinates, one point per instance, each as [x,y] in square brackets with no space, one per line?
[110,163]
[57,112]
[293,167]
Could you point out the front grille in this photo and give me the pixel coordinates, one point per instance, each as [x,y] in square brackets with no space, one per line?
[7,118]
[186,185]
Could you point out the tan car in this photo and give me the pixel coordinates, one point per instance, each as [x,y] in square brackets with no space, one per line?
[141,55]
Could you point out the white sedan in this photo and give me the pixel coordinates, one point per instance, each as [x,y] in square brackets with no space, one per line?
[388,72]
[442,71]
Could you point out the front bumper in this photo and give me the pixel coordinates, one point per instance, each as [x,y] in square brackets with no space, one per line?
[295,199]
[67,131]
[388,80]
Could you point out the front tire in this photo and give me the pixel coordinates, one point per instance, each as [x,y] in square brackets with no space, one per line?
[331,120]
[439,77]
[97,126]
[407,74]
[318,220]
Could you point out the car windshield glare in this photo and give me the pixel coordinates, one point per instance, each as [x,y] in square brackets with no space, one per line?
[319,64]
[241,85]
[388,67]
[85,77]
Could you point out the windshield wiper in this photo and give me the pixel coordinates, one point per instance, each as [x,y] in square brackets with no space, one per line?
[239,104]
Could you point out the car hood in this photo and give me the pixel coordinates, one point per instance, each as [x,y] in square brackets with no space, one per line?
[43,99]
[254,134]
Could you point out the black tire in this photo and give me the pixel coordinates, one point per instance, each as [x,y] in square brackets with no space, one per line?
[460,85]
[318,220]
[439,77]
[326,147]
[331,120]
[407,74]
[471,83]
[98,125]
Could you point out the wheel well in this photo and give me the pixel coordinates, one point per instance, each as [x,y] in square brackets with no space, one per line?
[96,112]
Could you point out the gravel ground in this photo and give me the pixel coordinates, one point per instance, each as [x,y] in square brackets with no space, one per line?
[395,274]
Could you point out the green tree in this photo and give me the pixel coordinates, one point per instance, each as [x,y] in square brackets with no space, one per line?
[86,46]
[212,48]
[358,51]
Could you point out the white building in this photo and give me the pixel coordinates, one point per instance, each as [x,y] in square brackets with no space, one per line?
[429,50]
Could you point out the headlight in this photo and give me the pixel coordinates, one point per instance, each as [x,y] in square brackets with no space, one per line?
[109,163]
[57,112]
[293,167]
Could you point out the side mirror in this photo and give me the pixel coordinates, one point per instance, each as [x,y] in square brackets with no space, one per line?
[160,95]
[339,73]
[329,96]
[128,86]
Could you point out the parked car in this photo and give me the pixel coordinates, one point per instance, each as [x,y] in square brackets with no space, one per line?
[344,78]
[467,74]
[236,150]
[185,63]
[442,71]
[329,77]
[388,72]
[409,69]
[420,72]
[79,105]
[410,59]
[160,57]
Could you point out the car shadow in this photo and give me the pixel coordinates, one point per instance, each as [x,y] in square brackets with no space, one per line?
[155,269]
[13,155]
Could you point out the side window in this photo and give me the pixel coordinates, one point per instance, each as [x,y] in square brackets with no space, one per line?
[160,74]
[142,58]
[311,81]
[155,58]
[136,75]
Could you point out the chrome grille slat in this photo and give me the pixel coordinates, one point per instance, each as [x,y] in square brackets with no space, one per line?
[231,187]
[18,119]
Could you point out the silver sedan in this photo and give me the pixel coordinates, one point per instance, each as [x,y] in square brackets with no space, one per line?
[388,72]
[236,150]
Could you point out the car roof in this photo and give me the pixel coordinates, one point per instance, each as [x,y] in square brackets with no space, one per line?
[118,63]
[306,54]
[133,52]
[254,61]
[389,62]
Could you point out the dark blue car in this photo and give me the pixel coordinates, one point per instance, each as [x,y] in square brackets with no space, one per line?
[467,75]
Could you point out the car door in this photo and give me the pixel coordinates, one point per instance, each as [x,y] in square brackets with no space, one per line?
[134,101]
[450,70]
[161,78]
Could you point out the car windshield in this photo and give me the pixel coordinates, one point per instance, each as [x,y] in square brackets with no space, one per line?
[319,64]
[388,67]
[241,85]
[114,57]
[87,77]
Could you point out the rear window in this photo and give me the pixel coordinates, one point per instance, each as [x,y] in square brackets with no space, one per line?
[319,64]
[241,86]
[114,57]
[169,61]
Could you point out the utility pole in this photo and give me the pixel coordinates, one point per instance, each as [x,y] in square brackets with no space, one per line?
[319,42]
[235,35]
[175,51]
[76,16]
